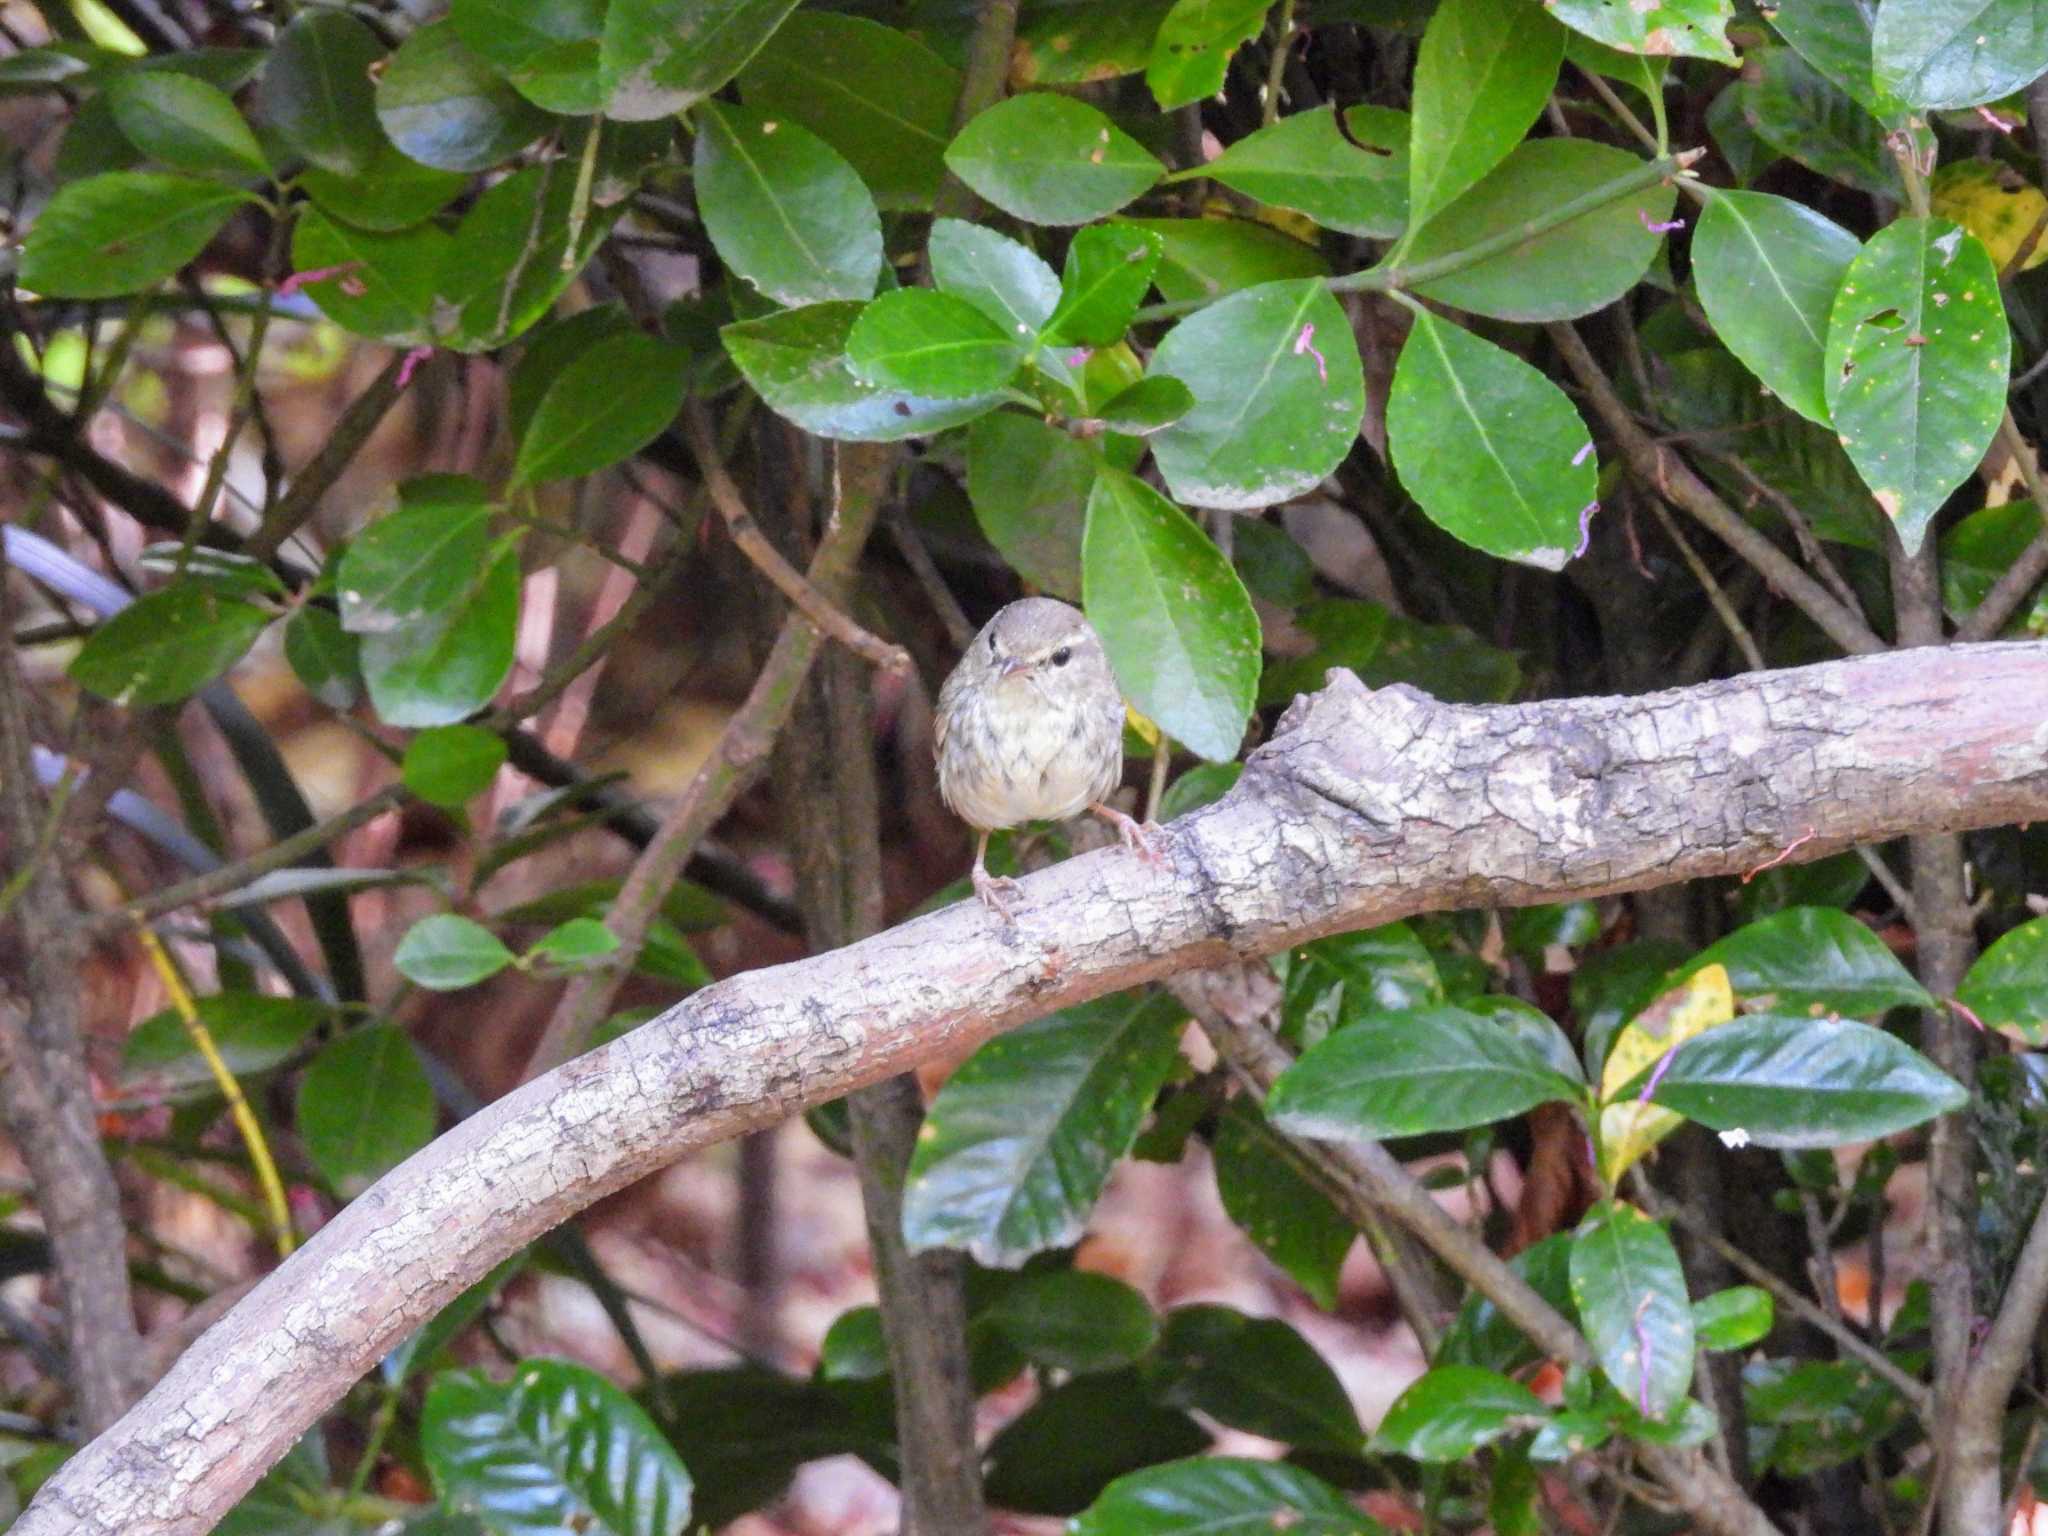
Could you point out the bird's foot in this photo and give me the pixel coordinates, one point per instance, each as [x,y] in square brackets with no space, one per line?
[994,891]
[1147,839]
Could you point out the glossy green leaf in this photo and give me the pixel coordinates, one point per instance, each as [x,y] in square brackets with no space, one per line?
[1451,1411]
[1191,50]
[1029,485]
[1272,564]
[1813,960]
[36,69]
[1207,258]
[574,944]
[452,764]
[391,193]
[878,96]
[1830,882]
[1481,1335]
[1180,631]
[545,49]
[1799,112]
[556,1448]
[1630,1292]
[1981,548]
[1768,270]
[854,1347]
[252,1033]
[1279,395]
[444,669]
[2008,986]
[1495,452]
[419,561]
[1957,53]
[1733,1319]
[448,951]
[1108,272]
[784,209]
[1148,406]
[185,123]
[1021,1139]
[1252,1373]
[1303,162]
[1080,44]
[1221,1496]
[1808,1415]
[1058,1456]
[612,401]
[364,1107]
[317,91]
[1265,1192]
[1070,1320]
[1800,1082]
[1051,160]
[932,343]
[384,285]
[325,657]
[1687,28]
[662,56]
[167,644]
[796,361]
[442,106]
[1834,36]
[1580,266]
[1401,1074]
[1335,982]
[1004,280]
[117,233]
[1917,360]
[512,258]
[551,347]
[1483,72]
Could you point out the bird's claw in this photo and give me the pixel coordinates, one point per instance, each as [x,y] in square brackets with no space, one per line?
[992,889]
[1147,839]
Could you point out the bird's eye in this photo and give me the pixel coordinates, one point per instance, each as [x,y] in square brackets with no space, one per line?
[991,643]
[1062,656]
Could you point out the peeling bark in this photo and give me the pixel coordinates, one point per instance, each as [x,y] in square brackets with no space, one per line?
[1366,806]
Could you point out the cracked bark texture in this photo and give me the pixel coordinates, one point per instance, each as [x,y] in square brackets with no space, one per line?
[1364,807]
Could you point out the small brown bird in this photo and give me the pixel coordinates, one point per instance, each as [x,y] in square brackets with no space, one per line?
[1031,728]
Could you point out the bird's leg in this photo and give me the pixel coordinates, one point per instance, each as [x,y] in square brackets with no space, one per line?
[1141,837]
[991,888]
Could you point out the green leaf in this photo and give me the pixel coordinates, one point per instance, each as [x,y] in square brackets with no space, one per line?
[1253,1373]
[2008,986]
[442,670]
[1303,162]
[167,644]
[418,562]
[1074,1321]
[117,233]
[1813,1414]
[854,1347]
[442,106]
[918,339]
[1265,1193]
[252,1033]
[1059,1455]
[1957,53]
[1221,1496]
[1148,406]
[1335,982]
[1021,1139]
[392,193]
[1685,28]
[1793,1082]
[511,257]
[1481,1335]
[1733,1319]
[878,96]
[1630,1291]
[317,91]
[1917,359]
[383,285]
[608,404]
[452,764]
[1401,1074]
[545,49]
[364,1107]
[1768,270]
[1004,280]
[1812,960]
[1483,72]
[796,361]
[575,944]
[551,347]
[1800,112]
[448,951]
[1830,882]
[1192,49]
[1451,1411]
[663,56]
[1494,451]
[1834,36]
[185,123]
[1279,395]
[1980,549]
[784,209]
[1029,485]
[1108,272]
[1383,647]
[1272,564]
[1051,159]
[1176,622]
[1207,258]
[1080,44]
[555,1448]
[1581,265]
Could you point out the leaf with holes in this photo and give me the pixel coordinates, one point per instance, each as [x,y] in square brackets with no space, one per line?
[1191,52]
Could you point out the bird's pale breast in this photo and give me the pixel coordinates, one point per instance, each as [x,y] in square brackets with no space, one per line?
[1012,756]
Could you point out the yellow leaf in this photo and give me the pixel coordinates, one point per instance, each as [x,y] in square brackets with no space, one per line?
[1628,1127]
[1993,202]
[1142,725]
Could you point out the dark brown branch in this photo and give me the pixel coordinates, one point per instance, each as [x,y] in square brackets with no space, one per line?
[351,431]
[1364,807]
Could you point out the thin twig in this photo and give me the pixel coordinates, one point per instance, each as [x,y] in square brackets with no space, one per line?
[1718,599]
[1893,886]
[1810,547]
[959,628]
[1276,66]
[2025,573]
[351,431]
[767,559]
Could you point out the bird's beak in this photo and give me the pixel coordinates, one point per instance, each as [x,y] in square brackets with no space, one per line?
[1010,666]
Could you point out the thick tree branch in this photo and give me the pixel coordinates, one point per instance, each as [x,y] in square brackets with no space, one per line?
[1364,807]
